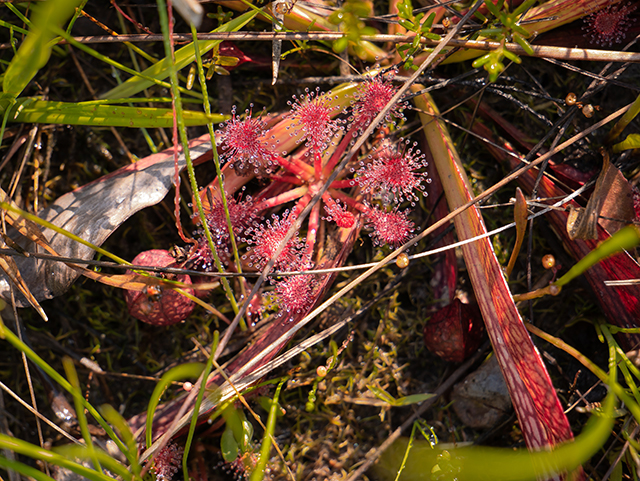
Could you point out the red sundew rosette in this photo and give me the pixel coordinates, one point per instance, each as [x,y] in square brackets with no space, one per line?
[162,307]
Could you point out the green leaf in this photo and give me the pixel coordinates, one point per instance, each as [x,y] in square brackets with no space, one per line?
[340,45]
[27,471]
[46,112]
[382,395]
[479,463]
[36,452]
[631,142]
[523,43]
[492,8]
[183,57]
[36,48]
[114,418]
[178,373]
[413,399]
[408,24]
[228,445]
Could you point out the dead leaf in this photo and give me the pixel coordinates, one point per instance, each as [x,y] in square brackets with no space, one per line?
[93,212]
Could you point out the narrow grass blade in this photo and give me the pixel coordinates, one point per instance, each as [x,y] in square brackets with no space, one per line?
[178,373]
[183,57]
[479,463]
[114,418]
[36,452]
[36,48]
[7,335]
[67,113]
[534,398]
[28,471]
[265,448]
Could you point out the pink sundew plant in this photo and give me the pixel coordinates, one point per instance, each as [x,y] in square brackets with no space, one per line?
[393,174]
[373,100]
[393,228]
[609,25]
[369,196]
[167,462]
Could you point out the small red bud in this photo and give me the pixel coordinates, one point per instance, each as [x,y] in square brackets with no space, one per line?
[155,304]
[454,332]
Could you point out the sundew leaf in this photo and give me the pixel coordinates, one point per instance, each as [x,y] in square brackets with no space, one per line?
[183,57]
[67,113]
[36,48]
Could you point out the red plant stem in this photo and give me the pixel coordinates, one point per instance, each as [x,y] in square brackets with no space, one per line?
[312,232]
[342,147]
[342,184]
[317,165]
[288,179]
[299,207]
[328,200]
[302,170]
[283,198]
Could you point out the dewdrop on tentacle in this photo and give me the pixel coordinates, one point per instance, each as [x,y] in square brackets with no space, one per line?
[608,25]
[243,144]
[312,115]
[402,261]
[394,174]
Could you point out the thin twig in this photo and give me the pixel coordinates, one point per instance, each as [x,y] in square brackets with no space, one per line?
[563,53]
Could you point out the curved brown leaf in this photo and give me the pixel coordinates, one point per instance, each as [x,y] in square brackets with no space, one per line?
[93,212]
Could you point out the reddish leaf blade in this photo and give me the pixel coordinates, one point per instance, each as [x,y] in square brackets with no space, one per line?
[620,304]
[534,398]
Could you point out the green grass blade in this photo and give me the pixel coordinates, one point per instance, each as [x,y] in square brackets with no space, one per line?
[196,408]
[26,471]
[73,451]
[479,463]
[182,133]
[36,452]
[13,27]
[12,339]
[265,449]
[117,421]
[72,376]
[183,57]
[216,162]
[36,48]
[178,373]
[67,113]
